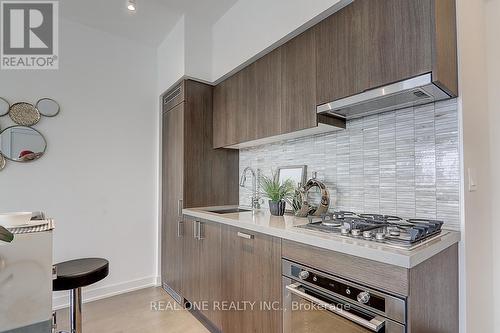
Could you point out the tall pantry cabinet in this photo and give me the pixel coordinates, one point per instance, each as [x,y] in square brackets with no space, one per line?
[193,173]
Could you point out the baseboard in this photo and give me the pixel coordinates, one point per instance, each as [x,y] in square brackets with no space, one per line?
[158,281]
[92,294]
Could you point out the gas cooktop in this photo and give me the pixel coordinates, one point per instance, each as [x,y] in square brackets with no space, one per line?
[391,230]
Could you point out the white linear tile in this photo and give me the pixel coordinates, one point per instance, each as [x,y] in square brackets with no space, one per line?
[404,162]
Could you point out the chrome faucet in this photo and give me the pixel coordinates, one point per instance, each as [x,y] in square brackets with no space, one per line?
[255,180]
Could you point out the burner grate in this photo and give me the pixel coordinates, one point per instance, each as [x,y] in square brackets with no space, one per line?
[388,229]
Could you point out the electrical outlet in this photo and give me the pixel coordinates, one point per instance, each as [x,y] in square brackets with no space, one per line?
[472,179]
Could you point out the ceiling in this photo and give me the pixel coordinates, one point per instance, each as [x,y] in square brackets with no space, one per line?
[150,24]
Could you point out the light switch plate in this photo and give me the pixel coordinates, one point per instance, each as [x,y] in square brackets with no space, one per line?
[472,179]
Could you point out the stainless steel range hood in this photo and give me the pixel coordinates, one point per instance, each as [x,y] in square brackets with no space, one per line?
[415,91]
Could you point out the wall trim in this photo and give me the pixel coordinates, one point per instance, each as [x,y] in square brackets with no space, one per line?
[61,300]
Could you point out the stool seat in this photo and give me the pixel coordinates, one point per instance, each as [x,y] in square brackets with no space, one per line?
[79,273]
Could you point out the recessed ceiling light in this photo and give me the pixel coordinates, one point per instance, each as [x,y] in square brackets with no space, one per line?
[131,5]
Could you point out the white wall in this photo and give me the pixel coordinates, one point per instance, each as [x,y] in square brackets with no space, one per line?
[252,26]
[171,57]
[477,255]
[209,51]
[198,48]
[492,9]
[98,177]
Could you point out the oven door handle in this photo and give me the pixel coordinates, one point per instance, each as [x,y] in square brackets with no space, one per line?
[374,325]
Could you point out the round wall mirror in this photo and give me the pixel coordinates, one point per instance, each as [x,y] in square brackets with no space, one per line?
[24,114]
[4,107]
[22,144]
[47,107]
[2,162]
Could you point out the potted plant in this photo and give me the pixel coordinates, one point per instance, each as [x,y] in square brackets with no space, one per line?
[277,192]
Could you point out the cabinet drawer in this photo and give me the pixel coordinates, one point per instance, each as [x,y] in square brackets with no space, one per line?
[371,273]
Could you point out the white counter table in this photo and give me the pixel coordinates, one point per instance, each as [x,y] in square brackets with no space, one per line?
[26,281]
[285,227]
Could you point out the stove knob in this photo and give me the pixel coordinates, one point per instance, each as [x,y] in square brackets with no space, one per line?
[344,230]
[394,233]
[363,297]
[303,275]
[356,232]
[367,234]
[380,236]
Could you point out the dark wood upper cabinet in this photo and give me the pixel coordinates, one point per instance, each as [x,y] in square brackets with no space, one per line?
[340,57]
[193,173]
[247,105]
[444,41]
[365,45]
[372,43]
[265,119]
[298,83]
[245,109]
[271,97]
[396,39]
[225,116]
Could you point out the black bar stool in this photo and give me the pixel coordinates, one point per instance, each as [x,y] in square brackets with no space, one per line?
[73,275]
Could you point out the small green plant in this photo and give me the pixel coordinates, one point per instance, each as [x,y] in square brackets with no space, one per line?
[296,201]
[275,190]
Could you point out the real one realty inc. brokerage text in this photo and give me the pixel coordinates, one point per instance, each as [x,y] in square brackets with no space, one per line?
[243,306]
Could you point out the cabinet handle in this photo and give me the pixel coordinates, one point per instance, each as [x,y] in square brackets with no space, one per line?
[180,229]
[195,229]
[246,236]
[200,231]
[179,208]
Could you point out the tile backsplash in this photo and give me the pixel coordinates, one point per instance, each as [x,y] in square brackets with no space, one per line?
[403,163]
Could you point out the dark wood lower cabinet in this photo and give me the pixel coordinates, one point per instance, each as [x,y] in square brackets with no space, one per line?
[190,289]
[231,278]
[210,271]
[201,269]
[251,281]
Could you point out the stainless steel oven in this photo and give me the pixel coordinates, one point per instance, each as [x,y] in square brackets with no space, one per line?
[319,302]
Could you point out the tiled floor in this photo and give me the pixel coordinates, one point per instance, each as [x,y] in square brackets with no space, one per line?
[133,313]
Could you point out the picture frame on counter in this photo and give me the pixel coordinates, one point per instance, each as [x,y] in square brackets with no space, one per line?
[298,175]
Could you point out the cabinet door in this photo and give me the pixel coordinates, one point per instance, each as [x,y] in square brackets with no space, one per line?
[372,43]
[210,282]
[172,194]
[201,274]
[225,112]
[251,274]
[265,115]
[245,104]
[340,55]
[298,110]
[397,39]
[190,263]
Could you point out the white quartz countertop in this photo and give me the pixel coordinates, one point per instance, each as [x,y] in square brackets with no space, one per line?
[284,227]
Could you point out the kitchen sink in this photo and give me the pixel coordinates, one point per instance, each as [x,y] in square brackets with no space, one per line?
[230,210]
